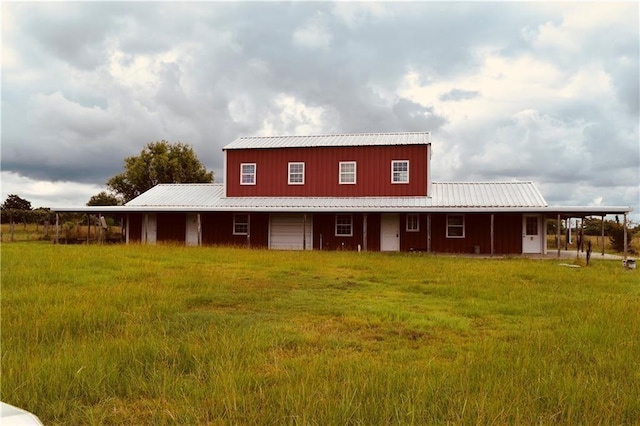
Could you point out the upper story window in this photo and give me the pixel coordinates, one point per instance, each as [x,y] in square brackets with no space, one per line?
[400,171]
[344,225]
[347,173]
[413,224]
[247,173]
[296,173]
[455,226]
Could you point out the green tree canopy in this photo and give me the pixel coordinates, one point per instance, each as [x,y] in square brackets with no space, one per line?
[13,202]
[104,199]
[159,162]
[15,208]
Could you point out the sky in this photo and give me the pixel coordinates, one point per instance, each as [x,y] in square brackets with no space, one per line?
[545,92]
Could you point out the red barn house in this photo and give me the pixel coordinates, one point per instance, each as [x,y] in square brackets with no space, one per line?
[355,192]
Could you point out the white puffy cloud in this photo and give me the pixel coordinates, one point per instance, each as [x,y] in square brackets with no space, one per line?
[540,91]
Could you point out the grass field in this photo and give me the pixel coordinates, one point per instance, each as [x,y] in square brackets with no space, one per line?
[175,335]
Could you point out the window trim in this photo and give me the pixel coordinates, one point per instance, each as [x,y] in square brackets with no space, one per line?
[417,223]
[340,172]
[254,174]
[393,163]
[455,226]
[292,163]
[350,234]
[236,223]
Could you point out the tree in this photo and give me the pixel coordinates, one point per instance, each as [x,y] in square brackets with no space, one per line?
[104,199]
[16,208]
[13,202]
[158,162]
[616,237]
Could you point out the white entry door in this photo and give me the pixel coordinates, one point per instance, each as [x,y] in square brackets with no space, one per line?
[286,232]
[390,232]
[531,234]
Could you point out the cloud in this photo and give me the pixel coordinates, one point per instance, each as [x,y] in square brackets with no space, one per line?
[541,91]
[459,95]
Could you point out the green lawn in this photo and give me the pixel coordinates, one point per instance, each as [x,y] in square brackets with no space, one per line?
[175,335]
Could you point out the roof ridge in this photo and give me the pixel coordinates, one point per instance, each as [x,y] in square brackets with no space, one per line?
[501,182]
[325,135]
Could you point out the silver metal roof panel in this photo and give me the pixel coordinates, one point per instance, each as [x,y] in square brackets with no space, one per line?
[486,194]
[451,194]
[353,139]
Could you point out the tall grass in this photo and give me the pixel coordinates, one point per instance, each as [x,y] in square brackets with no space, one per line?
[175,335]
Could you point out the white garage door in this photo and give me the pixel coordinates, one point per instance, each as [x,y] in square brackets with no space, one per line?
[286,230]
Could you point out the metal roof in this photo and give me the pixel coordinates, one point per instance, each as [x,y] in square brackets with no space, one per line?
[455,197]
[487,194]
[445,195]
[180,195]
[353,139]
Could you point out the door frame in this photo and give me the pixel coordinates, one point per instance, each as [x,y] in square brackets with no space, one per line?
[386,239]
[532,248]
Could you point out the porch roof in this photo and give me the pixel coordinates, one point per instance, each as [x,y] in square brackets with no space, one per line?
[452,197]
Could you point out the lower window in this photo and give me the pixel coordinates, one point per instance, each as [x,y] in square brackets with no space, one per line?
[413,225]
[344,225]
[455,226]
[240,224]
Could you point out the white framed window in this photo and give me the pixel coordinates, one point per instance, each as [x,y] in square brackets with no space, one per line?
[455,226]
[347,173]
[413,223]
[247,173]
[296,173]
[400,171]
[344,225]
[240,224]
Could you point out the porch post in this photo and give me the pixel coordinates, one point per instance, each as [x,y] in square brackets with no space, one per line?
[126,230]
[578,239]
[365,236]
[57,240]
[428,233]
[145,224]
[558,226]
[492,238]
[249,230]
[88,227]
[199,230]
[624,223]
[304,231]
[602,235]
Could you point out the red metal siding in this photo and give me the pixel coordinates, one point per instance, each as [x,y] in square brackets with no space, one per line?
[373,176]
[135,227]
[171,227]
[324,233]
[410,241]
[217,229]
[507,234]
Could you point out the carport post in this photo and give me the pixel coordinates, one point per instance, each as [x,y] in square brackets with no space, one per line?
[625,237]
[602,235]
[57,228]
[558,234]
